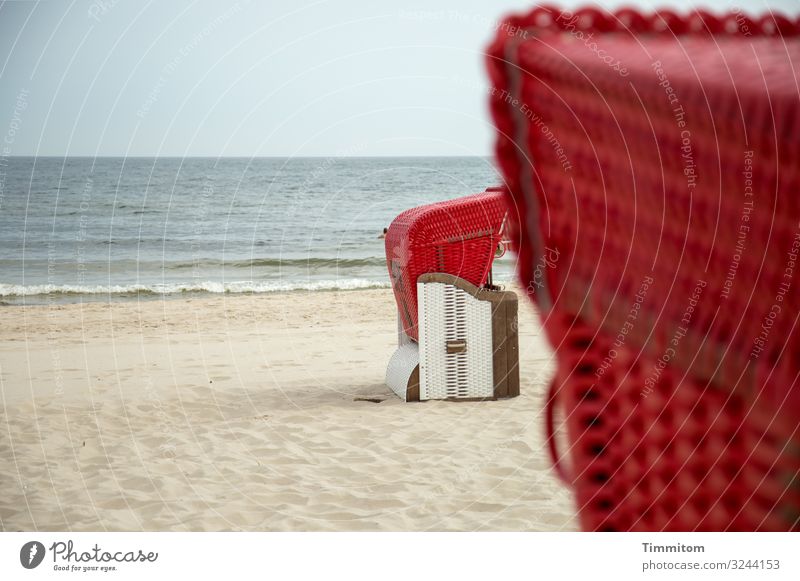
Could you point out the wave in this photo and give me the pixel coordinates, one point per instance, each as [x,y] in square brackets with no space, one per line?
[284,262]
[150,264]
[235,287]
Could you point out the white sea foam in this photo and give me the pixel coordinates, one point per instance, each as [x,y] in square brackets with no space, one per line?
[234,287]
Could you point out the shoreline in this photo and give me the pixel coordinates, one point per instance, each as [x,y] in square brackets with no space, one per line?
[70,297]
[254,414]
[77,298]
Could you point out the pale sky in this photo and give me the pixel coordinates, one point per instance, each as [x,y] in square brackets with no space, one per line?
[250,78]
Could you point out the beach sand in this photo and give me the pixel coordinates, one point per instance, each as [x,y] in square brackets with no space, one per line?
[247,413]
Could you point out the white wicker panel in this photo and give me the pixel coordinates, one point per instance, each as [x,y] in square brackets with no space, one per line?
[448,313]
[479,347]
[401,366]
[431,332]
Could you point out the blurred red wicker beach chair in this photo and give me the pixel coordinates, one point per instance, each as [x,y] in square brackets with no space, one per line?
[457,337]
[657,157]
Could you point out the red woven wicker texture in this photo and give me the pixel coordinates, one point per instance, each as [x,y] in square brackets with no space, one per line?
[633,205]
[456,237]
[682,456]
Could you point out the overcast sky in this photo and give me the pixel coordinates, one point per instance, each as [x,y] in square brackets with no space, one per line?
[250,78]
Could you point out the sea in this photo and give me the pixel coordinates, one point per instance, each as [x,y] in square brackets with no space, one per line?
[85,229]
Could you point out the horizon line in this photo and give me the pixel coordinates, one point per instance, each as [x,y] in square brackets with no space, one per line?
[62,156]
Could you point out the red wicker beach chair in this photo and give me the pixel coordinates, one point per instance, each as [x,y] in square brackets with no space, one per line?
[656,157]
[457,237]
[457,339]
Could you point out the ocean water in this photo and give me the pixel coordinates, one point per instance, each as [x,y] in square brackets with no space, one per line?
[79,229]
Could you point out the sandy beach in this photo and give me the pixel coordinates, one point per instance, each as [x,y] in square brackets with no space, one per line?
[254,413]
